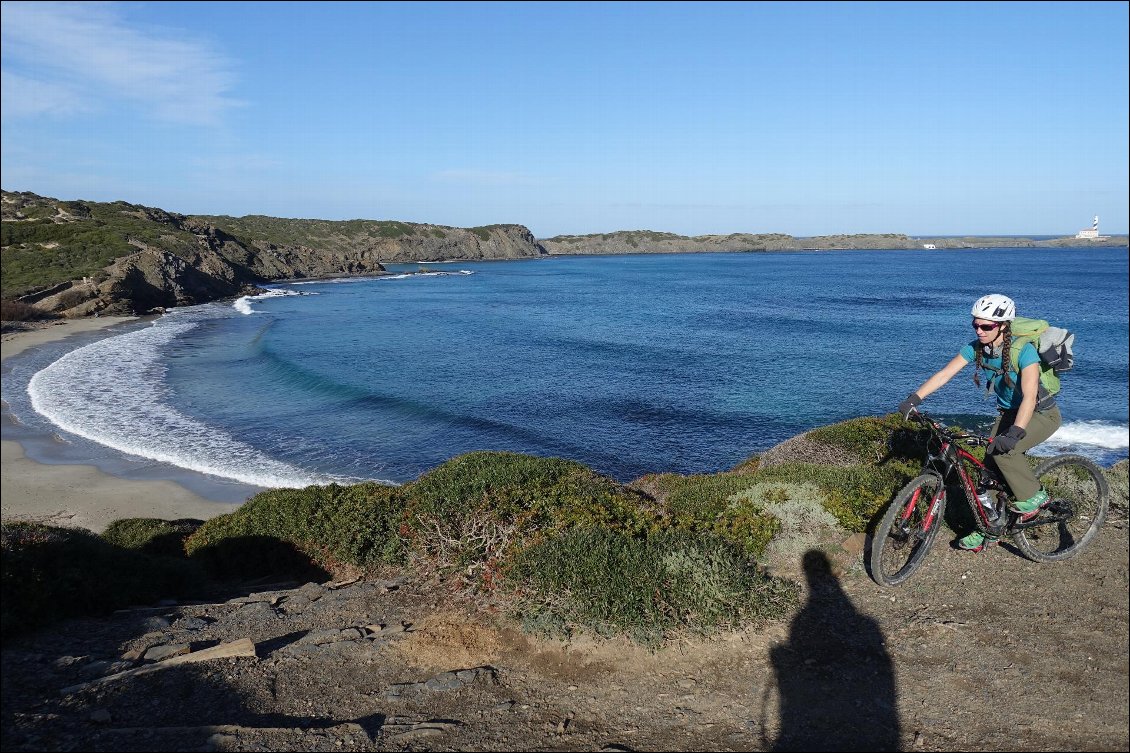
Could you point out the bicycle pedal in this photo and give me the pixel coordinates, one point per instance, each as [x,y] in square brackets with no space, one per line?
[1027,517]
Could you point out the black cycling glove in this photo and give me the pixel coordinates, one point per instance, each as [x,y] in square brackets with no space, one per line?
[1004,443]
[906,406]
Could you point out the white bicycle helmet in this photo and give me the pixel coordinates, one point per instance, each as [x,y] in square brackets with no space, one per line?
[994,308]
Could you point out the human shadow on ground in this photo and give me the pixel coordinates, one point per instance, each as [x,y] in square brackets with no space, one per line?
[835,679]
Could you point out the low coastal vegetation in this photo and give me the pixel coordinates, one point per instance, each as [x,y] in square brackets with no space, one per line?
[549,542]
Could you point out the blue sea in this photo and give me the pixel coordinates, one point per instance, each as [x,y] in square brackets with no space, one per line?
[636,364]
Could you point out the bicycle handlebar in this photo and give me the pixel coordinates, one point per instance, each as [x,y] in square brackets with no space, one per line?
[947,433]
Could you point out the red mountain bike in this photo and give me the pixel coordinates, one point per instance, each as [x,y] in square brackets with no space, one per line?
[1078,501]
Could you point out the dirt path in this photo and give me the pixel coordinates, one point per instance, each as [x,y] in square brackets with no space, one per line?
[976,652]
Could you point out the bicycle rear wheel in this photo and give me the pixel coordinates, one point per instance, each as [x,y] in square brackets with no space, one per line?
[1079,499]
[903,539]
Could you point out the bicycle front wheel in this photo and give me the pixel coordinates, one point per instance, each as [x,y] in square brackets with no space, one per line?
[908,529]
[1079,498]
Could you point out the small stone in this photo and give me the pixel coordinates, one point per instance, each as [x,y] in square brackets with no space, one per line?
[96,668]
[444,681]
[313,591]
[157,653]
[101,716]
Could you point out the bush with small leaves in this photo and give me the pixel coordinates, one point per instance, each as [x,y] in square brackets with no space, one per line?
[650,588]
[152,535]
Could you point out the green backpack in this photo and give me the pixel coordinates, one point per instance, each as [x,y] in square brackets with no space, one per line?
[1052,343]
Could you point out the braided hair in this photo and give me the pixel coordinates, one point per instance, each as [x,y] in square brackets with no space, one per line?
[1006,355]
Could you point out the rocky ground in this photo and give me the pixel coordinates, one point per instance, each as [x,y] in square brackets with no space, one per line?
[976,652]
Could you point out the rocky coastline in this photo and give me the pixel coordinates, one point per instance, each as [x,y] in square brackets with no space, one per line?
[76,259]
[167,259]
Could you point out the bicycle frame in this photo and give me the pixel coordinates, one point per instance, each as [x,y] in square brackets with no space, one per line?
[948,462]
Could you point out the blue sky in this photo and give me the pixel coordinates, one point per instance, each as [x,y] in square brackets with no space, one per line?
[800,118]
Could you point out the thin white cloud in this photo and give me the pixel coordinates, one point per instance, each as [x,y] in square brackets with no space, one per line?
[69,57]
[484,178]
[25,97]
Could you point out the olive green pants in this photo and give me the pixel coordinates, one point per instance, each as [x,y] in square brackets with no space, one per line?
[1013,466]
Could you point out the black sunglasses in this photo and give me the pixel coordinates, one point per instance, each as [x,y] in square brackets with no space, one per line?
[986,327]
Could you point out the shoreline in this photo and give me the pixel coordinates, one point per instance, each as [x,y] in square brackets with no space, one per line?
[82,495]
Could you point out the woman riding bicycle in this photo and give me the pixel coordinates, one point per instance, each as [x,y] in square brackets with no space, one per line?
[1028,413]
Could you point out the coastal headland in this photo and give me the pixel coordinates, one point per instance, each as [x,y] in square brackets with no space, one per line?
[82,258]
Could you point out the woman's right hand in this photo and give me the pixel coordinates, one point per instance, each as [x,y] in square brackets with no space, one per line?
[906,407]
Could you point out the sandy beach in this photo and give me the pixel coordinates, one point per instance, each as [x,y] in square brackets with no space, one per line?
[82,495]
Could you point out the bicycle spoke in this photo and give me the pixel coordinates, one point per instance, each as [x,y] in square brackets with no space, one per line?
[1079,499]
[902,540]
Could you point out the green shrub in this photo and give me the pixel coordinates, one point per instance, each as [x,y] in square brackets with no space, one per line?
[51,573]
[648,588]
[512,486]
[287,529]
[873,439]
[852,494]
[387,229]
[704,503]
[474,509]
[1117,480]
[702,497]
[151,535]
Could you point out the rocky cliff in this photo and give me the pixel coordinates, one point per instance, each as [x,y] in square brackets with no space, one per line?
[83,258]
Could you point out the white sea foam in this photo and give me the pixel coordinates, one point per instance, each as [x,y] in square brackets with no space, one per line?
[407,275]
[243,305]
[1101,434]
[113,392]
[378,278]
[334,280]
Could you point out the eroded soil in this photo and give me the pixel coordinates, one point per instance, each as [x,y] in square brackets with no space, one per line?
[976,652]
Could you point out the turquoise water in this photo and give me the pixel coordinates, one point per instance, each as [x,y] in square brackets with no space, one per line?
[629,364]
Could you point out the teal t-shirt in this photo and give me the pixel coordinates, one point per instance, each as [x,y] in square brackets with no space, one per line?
[1007,397]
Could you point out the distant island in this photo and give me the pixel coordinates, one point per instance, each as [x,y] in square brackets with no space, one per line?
[647,241]
[85,258]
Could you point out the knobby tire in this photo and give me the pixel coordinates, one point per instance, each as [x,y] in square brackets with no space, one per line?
[1079,499]
[900,546]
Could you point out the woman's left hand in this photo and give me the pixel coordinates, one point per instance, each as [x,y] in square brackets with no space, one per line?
[1005,443]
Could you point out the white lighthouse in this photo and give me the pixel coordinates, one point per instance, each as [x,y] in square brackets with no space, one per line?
[1091,233]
